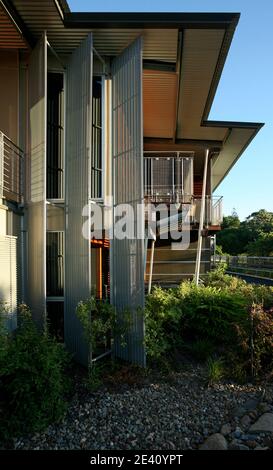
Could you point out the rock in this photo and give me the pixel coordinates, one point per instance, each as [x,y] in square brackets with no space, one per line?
[251,404]
[249,437]
[253,414]
[245,421]
[233,445]
[264,408]
[261,448]
[237,433]
[263,424]
[239,411]
[214,442]
[251,444]
[242,447]
[226,429]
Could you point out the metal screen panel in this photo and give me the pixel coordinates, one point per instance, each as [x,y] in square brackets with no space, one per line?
[8,279]
[78,190]
[36,182]
[127,256]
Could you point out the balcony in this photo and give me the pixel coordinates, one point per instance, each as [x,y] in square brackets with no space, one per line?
[11,170]
[168,180]
[213,210]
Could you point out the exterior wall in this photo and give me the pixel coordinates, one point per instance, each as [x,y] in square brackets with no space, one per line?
[8,278]
[3,219]
[9,93]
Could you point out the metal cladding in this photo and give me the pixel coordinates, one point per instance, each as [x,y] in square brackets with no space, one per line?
[36,196]
[77,192]
[127,256]
[8,279]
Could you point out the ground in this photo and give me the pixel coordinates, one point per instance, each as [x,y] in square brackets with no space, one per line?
[175,410]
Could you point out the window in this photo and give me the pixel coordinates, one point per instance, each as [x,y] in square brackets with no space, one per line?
[55,316]
[55,137]
[97,174]
[54,264]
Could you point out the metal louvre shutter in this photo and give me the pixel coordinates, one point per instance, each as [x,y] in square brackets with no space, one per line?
[78,191]
[36,177]
[8,279]
[127,256]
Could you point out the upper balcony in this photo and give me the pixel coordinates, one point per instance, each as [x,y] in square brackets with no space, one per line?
[169,179]
[11,170]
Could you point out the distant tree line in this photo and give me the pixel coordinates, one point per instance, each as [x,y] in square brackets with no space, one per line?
[252,237]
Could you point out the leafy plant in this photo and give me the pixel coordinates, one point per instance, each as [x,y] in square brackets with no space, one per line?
[33,383]
[162,322]
[215,370]
[201,349]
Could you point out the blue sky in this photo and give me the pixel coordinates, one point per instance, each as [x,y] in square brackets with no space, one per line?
[245,92]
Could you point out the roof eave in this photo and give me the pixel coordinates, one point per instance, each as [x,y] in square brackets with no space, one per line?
[150,20]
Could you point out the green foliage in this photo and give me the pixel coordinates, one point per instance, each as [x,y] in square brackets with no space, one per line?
[234,240]
[231,221]
[210,312]
[94,377]
[33,384]
[215,370]
[201,349]
[100,325]
[263,246]
[258,351]
[162,322]
[98,319]
[214,318]
[253,236]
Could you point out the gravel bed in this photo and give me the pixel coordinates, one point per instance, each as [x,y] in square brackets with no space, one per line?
[178,412]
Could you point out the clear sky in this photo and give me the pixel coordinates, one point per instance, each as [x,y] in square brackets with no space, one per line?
[245,92]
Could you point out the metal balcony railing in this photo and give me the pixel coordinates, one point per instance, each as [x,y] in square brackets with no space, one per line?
[11,170]
[213,210]
[168,177]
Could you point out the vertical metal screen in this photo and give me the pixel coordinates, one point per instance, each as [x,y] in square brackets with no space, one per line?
[36,178]
[127,255]
[78,190]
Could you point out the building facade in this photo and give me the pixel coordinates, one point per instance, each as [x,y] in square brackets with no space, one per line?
[107,111]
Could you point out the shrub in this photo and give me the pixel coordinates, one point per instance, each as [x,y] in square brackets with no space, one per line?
[228,317]
[215,370]
[211,313]
[255,343]
[201,349]
[259,294]
[33,383]
[98,319]
[162,322]
[100,325]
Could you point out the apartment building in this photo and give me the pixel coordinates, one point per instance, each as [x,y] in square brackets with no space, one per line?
[102,110]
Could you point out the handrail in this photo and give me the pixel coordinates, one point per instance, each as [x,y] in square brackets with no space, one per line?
[11,169]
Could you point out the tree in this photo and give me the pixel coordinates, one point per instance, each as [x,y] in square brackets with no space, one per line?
[253,236]
[259,223]
[263,246]
[231,221]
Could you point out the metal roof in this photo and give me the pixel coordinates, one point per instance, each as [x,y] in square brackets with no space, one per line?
[206,38]
[11,37]
[40,15]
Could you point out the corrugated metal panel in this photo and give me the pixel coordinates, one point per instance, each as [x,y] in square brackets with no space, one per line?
[43,15]
[8,279]
[78,178]
[127,256]
[10,38]
[159,103]
[36,193]
[201,48]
